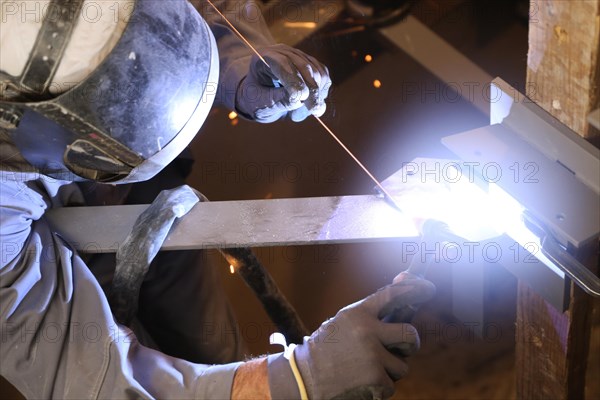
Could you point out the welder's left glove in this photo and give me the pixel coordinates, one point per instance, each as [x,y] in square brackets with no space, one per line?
[356,354]
[294,83]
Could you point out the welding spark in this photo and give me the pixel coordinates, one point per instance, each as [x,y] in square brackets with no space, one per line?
[303,25]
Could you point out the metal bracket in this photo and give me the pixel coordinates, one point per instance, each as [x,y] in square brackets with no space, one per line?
[548,169]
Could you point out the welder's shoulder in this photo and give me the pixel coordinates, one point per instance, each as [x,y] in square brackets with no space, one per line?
[21,203]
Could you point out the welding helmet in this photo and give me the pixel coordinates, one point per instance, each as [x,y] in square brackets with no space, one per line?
[116,107]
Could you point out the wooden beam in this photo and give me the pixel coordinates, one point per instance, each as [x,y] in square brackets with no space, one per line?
[562,64]
[563,77]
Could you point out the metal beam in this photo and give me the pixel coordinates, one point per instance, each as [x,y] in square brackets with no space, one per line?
[444,61]
[250,223]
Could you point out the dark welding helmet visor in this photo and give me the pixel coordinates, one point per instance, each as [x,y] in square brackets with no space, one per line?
[133,114]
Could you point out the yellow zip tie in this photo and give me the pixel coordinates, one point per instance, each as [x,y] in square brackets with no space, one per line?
[296,372]
[288,354]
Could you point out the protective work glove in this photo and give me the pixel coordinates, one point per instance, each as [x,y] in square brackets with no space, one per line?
[354,355]
[293,83]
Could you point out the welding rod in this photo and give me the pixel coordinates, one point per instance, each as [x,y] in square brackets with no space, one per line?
[246,264]
[384,192]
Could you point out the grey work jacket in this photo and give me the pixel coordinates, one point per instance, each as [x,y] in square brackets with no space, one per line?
[58,338]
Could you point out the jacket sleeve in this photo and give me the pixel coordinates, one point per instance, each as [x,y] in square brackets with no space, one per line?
[234,54]
[58,337]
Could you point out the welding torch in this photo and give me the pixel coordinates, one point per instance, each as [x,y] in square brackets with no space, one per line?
[433,232]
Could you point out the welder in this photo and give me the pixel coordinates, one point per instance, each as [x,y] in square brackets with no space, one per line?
[111,93]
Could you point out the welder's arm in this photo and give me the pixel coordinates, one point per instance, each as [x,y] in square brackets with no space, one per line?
[353,355]
[294,84]
[58,337]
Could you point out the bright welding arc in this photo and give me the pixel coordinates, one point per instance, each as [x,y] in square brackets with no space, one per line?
[243,39]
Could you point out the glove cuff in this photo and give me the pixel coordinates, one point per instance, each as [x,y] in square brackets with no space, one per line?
[229,81]
[282,382]
[239,93]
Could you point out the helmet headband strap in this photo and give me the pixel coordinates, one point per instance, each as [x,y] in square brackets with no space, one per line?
[59,21]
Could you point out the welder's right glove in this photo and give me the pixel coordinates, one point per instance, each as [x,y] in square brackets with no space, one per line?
[355,354]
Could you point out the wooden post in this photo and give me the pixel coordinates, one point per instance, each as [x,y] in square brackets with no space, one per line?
[562,77]
[562,65]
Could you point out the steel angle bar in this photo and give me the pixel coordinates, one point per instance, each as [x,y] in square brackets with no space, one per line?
[427,48]
[247,223]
